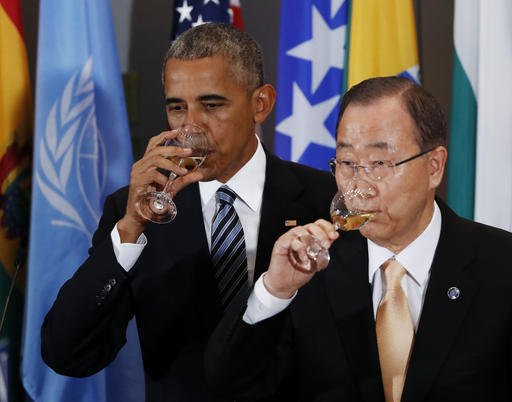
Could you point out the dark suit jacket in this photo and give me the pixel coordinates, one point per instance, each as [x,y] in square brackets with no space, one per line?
[170,290]
[326,338]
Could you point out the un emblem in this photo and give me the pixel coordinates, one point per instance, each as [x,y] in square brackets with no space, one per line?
[71,170]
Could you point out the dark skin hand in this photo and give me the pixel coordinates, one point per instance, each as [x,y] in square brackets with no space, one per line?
[145,176]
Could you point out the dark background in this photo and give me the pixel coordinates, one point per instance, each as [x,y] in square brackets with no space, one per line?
[143,29]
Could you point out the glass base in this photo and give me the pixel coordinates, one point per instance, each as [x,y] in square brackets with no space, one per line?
[318,256]
[157,207]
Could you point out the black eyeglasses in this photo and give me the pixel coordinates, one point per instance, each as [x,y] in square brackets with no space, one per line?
[378,170]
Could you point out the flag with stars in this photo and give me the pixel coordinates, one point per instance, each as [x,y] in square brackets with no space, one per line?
[191,13]
[310,79]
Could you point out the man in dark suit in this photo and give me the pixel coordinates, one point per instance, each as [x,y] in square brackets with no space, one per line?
[413,307]
[163,274]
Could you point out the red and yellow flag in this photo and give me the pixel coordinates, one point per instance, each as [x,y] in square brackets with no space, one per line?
[16,122]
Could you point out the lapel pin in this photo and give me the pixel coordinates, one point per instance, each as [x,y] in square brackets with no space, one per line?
[290,222]
[453,293]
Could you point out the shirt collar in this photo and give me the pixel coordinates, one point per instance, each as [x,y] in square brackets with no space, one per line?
[416,258]
[247,183]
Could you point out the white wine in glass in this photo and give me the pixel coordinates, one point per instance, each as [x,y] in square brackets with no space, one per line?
[189,162]
[351,208]
[158,206]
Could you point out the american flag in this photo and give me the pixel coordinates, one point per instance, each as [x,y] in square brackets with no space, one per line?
[190,13]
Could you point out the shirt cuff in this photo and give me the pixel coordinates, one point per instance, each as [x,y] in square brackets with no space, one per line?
[127,254]
[262,304]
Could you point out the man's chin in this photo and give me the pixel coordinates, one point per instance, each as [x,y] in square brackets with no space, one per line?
[368,230]
[208,174]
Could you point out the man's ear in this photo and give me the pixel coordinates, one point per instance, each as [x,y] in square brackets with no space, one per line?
[437,162]
[263,99]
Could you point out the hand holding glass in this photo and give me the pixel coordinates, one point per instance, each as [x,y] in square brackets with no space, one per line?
[318,256]
[158,206]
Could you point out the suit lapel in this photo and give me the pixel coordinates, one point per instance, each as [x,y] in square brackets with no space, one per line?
[349,293]
[178,253]
[280,195]
[186,232]
[441,316]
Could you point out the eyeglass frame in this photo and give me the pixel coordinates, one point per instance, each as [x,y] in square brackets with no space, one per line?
[355,168]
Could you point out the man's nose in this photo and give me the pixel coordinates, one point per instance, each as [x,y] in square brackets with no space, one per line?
[356,175]
[361,172]
[193,116]
[366,188]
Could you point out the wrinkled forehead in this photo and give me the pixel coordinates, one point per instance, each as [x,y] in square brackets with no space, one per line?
[370,141]
[383,124]
[385,137]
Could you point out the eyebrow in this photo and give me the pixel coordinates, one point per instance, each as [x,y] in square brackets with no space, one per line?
[202,98]
[378,145]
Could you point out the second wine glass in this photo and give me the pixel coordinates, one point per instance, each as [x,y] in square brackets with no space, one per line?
[352,206]
[158,206]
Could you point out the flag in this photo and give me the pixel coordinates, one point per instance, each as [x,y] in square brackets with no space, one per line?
[82,152]
[462,146]
[480,148]
[315,66]
[15,159]
[382,40]
[190,13]
[310,79]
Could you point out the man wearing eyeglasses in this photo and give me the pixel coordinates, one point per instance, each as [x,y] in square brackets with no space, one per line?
[415,306]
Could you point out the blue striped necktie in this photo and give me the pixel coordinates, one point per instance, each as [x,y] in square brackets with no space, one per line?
[228,248]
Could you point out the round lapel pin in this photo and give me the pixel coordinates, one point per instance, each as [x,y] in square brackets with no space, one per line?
[453,293]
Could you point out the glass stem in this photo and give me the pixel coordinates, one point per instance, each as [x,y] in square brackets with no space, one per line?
[168,186]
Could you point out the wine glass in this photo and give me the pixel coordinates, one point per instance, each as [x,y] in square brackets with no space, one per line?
[351,209]
[353,206]
[158,206]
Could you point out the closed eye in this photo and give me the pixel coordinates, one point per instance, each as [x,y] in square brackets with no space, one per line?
[212,105]
[176,107]
[381,163]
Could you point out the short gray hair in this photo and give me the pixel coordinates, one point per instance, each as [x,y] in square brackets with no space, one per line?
[423,108]
[214,39]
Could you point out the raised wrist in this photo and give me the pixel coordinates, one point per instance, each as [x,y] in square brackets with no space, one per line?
[129,230]
[276,291]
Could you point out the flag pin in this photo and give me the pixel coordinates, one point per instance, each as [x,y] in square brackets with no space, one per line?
[290,222]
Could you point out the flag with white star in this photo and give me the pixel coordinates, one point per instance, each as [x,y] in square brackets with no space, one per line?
[310,79]
[190,13]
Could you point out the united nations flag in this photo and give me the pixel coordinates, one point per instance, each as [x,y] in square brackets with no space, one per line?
[82,153]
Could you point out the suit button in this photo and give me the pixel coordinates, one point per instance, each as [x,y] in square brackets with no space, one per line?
[112,282]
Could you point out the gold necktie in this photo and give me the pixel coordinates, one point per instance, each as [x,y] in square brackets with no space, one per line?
[395,332]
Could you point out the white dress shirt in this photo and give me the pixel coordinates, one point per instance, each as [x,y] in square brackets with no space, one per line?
[416,258]
[247,183]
